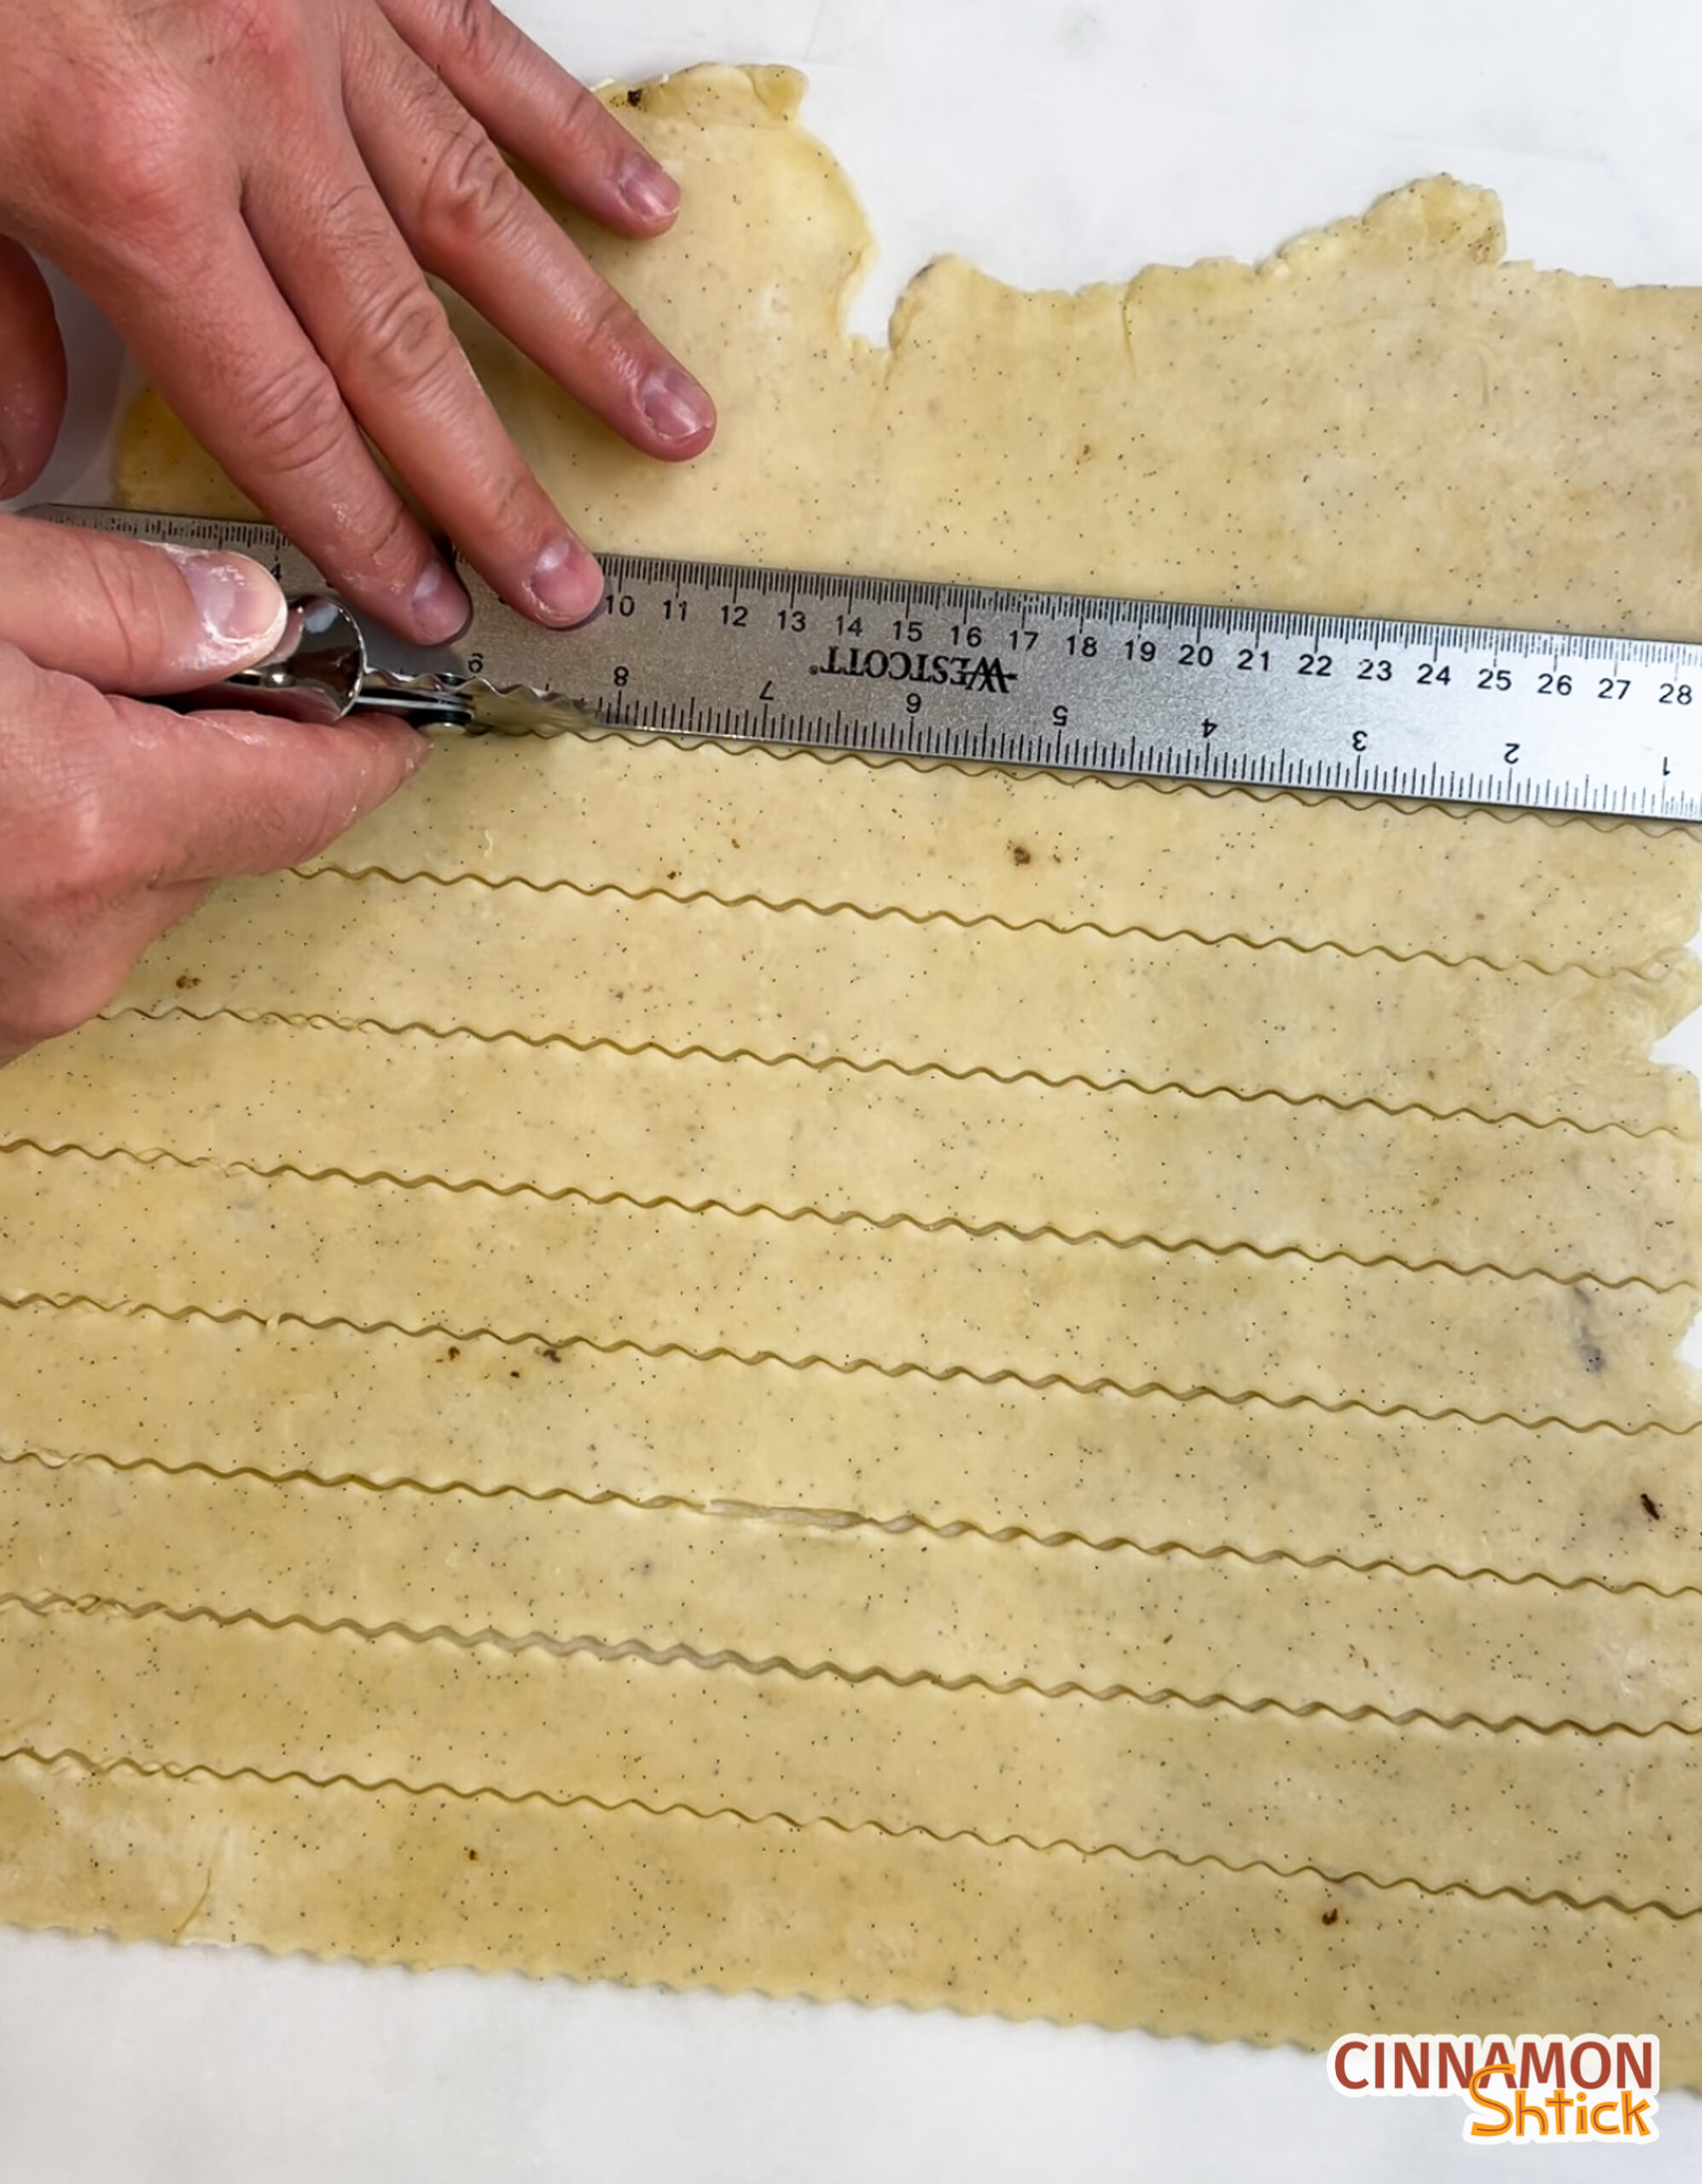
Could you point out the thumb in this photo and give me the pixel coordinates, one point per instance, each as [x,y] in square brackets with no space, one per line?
[31,371]
[132,616]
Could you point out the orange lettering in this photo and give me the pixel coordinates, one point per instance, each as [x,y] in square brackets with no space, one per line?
[1488,2100]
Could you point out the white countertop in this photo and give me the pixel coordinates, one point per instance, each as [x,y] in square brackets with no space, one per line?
[1054,143]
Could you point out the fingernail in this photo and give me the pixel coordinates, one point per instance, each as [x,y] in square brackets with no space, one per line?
[440,608]
[242,610]
[418,756]
[677,407]
[566,585]
[649,191]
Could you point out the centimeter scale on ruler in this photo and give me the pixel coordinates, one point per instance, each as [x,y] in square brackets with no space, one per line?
[1067,683]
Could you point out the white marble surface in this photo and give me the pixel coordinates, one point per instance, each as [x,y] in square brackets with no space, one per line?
[1054,143]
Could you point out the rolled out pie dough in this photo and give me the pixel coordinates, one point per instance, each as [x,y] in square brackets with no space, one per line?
[869,1379]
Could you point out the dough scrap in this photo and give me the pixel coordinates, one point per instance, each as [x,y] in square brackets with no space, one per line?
[1385,418]
[921,996]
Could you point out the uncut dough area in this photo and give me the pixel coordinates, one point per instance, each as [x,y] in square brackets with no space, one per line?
[1124,1404]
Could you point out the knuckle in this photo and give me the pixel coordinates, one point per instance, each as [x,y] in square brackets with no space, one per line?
[141,189]
[386,530]
[139,627]
[585,130]
[402,336]
[294,420]
[469,37]
[261,27]
[614,333]
[469,196]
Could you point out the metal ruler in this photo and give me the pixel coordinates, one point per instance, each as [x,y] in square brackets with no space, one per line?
[1107,686]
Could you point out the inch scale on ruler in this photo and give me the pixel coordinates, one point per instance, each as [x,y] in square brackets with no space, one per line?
[1079,684]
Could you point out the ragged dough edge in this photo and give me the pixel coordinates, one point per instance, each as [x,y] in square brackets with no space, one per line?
[814,1926]
[761,1209]
[1438,221]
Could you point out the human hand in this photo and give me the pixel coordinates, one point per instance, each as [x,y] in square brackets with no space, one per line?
[114,816]
[249,189]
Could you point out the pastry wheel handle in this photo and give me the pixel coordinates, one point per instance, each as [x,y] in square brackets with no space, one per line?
[319,672]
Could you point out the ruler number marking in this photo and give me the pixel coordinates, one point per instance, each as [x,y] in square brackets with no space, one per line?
[703,646]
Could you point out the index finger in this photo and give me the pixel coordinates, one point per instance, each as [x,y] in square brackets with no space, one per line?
[209,327]
[336,254]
